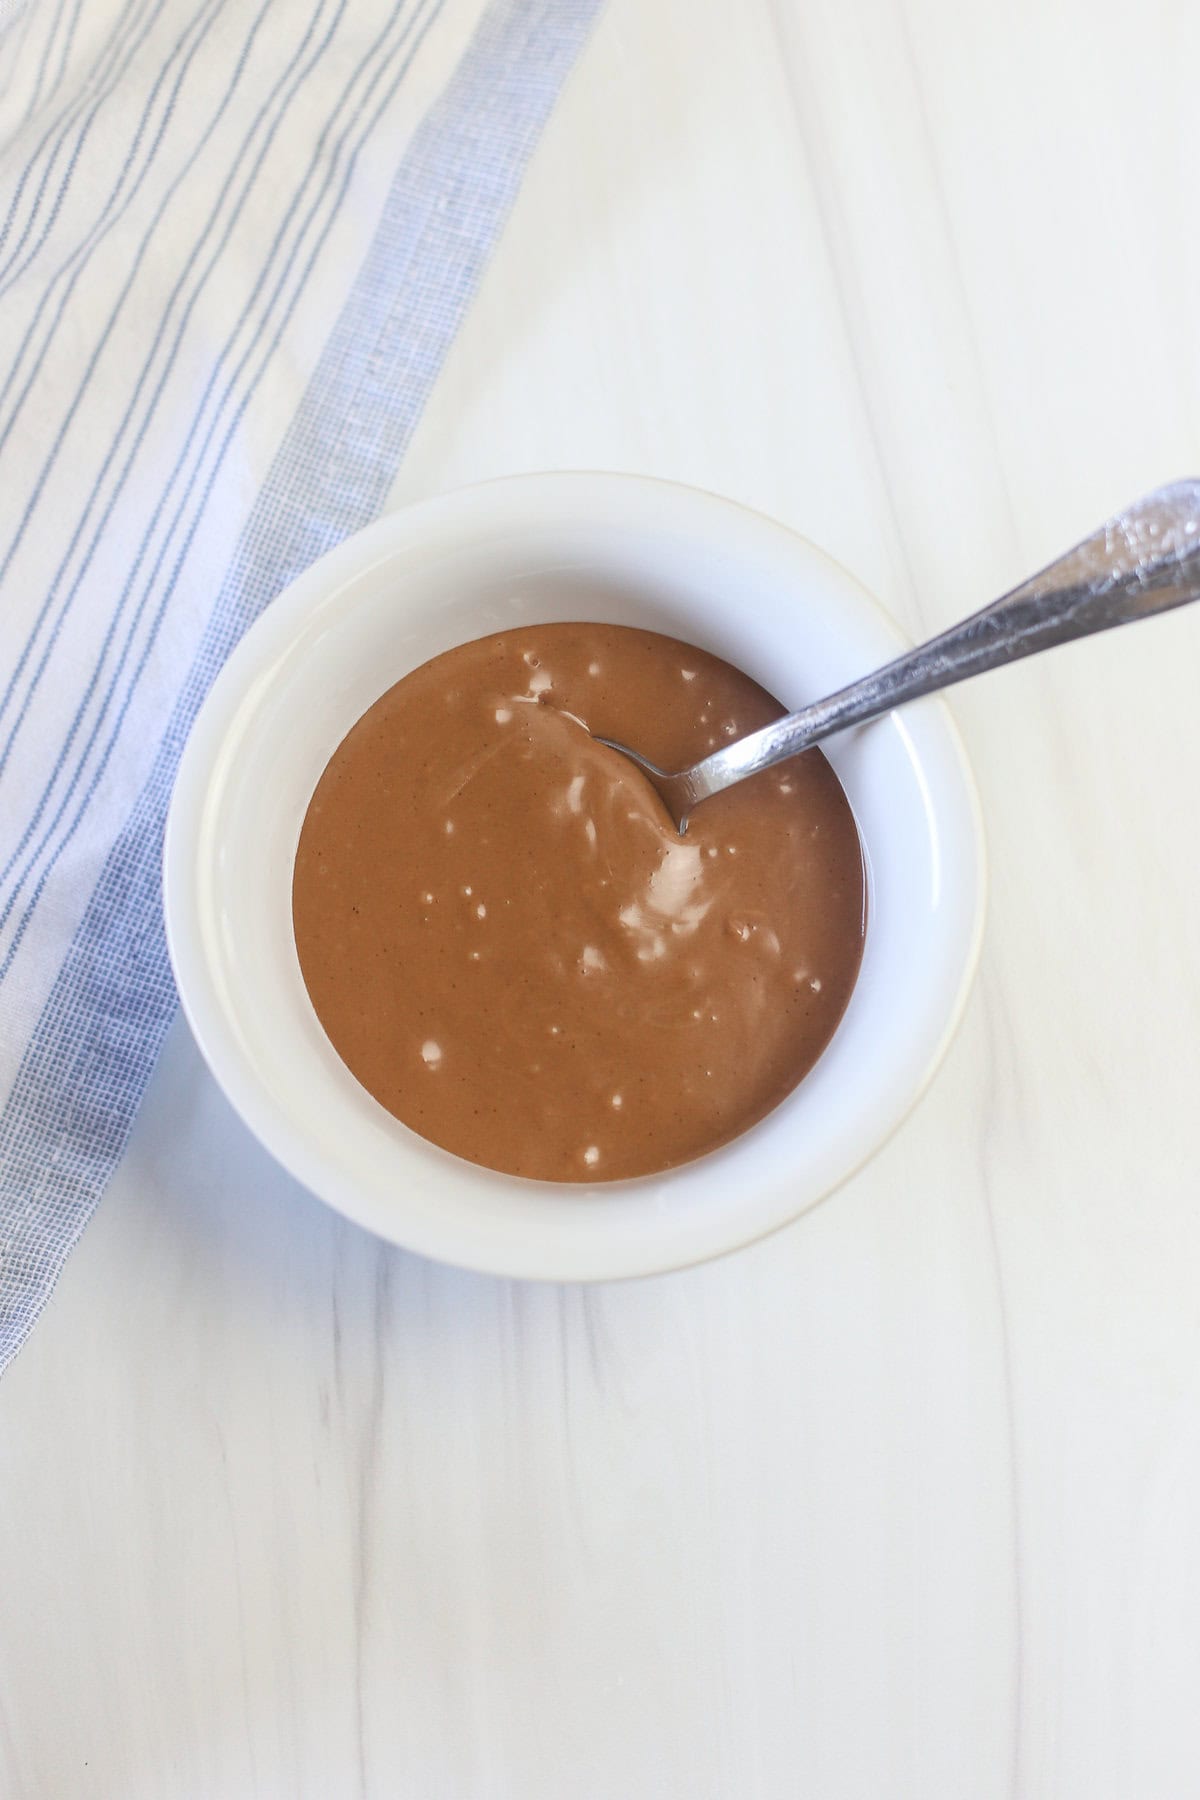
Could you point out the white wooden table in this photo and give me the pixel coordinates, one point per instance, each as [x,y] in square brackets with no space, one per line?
[904,1502]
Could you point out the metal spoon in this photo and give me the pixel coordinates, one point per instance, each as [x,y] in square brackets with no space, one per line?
[1145,560]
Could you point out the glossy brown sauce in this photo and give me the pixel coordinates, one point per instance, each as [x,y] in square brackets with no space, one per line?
[514,952]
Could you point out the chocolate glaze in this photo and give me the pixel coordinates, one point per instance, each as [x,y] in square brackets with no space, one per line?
[511,948]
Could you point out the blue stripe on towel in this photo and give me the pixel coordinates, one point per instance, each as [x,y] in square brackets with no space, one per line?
[73,1103]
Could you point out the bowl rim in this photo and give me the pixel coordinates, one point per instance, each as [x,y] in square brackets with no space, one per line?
[384,538]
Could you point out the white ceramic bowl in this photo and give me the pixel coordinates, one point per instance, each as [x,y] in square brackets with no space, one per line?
[526,550]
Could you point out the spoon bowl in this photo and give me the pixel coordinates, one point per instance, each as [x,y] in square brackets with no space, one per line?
[536,550]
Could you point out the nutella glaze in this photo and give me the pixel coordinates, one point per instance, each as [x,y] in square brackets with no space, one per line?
[514,952]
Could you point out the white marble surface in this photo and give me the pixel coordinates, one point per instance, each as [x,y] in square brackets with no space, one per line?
[906,1501]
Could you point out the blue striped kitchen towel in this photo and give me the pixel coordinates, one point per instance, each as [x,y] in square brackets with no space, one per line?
[236,240]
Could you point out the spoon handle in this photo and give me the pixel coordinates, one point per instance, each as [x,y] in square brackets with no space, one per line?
[1145,560]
